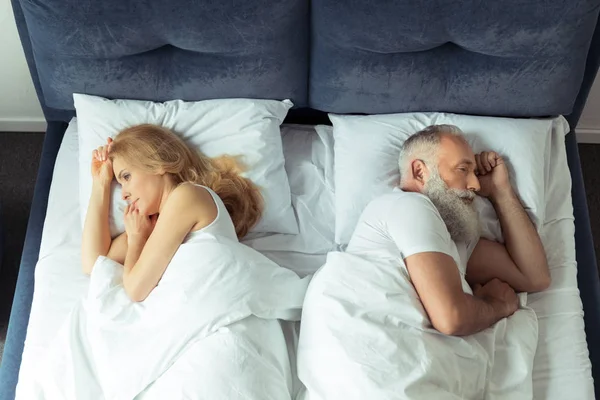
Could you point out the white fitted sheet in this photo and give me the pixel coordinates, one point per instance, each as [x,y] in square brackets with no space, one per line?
[562,368]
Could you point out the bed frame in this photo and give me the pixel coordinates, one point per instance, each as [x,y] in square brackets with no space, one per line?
[502,58]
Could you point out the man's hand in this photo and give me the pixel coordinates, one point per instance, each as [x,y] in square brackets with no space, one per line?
[499,293]
[492,174]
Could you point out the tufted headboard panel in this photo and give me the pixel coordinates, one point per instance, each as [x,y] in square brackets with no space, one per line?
[509,58]
[161,50]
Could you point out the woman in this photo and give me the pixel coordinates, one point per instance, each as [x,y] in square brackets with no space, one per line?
[212,328]
[172,192]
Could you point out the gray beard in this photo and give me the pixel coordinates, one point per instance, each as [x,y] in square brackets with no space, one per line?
[460,217]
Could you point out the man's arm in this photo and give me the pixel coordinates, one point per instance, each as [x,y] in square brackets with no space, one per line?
[521,262]
[436,279]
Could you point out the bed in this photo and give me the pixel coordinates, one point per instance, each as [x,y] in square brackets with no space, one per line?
[503,59]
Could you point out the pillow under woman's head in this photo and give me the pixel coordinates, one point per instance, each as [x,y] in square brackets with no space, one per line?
[146,156]
[246,130]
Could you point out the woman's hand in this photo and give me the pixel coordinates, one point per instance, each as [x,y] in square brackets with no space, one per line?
[138,226]
[102,170]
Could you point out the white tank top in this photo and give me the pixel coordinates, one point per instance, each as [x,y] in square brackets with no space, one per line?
[222,225]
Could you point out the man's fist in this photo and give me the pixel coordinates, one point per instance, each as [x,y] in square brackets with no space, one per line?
[492,174]
[500,294]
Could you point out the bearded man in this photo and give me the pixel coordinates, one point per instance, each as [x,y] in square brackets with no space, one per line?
[431,222]
[403,312]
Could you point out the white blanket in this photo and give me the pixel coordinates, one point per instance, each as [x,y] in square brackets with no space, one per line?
[215,310]
[365,335]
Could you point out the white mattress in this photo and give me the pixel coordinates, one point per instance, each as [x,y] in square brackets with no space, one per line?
[562,368]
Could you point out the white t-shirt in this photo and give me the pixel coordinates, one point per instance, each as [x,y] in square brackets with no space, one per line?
[397,225]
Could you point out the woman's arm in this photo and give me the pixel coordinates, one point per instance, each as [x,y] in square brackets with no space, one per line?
[96,234]
[148,256]
[118,248]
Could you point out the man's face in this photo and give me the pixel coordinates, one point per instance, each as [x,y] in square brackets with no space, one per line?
[456,164]
[452,189]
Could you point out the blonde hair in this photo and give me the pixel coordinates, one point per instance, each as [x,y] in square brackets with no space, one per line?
[156,149]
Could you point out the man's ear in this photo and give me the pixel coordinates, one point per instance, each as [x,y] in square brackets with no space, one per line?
[419,171]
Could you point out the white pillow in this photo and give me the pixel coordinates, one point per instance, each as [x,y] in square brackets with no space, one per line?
[244,127]
[367,150]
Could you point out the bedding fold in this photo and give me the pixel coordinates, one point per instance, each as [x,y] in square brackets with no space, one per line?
[218,300]
[366,335]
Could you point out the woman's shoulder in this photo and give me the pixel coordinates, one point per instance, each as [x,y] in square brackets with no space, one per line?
[194,199]
[191,189]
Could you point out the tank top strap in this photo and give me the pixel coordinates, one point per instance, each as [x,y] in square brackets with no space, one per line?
[222,225]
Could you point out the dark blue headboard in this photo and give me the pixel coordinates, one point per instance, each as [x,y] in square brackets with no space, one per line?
[508,58]
[162,50]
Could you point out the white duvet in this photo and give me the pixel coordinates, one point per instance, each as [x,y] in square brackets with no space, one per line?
[365,335]
[209,330]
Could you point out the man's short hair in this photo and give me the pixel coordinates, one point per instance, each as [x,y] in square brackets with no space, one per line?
[424,145]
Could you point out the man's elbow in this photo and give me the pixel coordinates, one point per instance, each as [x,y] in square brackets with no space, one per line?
[541,280]
[540,283]
[450,323]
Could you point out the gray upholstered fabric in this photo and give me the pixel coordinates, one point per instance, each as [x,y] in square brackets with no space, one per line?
[511,57]
[176,49]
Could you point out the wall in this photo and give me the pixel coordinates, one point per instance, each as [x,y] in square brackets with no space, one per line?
[588,129]
[20,110]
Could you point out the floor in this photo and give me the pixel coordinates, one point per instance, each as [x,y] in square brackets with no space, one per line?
[590,160]
[19,155]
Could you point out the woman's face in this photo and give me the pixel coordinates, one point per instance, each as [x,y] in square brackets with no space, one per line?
[145,190]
